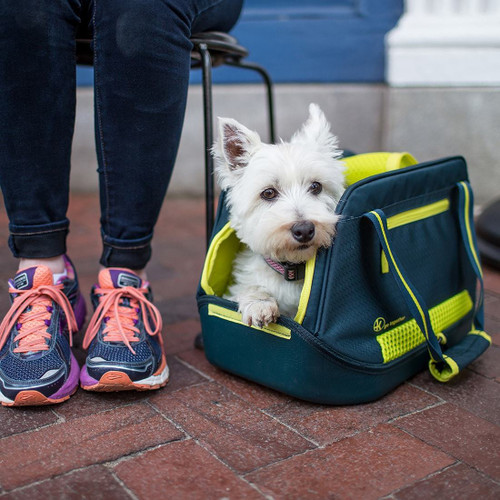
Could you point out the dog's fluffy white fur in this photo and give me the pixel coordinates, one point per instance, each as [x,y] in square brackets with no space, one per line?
[271,191]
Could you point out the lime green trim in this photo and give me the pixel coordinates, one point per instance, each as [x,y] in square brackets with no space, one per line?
[383,263]
[365,165]
[306,290]
[419,213]
[405,284]
[481,334]
[235,317]
[401,339]
[451,369]
[396,161]
[212,253]
[441,337]
[468,228]
[447,373]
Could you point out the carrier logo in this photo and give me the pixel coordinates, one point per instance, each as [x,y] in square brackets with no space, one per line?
[128,280]
[380,324]
[21,281]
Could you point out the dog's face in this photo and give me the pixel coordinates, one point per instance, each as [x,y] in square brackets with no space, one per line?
[281,197]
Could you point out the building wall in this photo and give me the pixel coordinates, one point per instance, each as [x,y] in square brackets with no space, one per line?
[332,52]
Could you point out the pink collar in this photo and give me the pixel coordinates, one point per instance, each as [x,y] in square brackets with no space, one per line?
[289,271]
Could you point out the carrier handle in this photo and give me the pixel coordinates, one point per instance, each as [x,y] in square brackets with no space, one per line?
[442,366]
[466,220]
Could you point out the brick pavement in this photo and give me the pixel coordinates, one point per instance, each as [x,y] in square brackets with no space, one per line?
[211,435]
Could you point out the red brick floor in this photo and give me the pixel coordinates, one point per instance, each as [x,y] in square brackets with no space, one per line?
[211,435]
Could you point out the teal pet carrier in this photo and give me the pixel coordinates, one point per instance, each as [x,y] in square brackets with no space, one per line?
[399,289]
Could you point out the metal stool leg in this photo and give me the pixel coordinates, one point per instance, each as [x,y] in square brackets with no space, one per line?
[209,161]
[209,138]
[269,86]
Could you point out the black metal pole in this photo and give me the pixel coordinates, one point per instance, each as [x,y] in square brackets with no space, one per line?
[209,137]
[269,86]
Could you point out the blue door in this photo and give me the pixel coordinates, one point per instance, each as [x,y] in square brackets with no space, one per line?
[310,41]
[316,40]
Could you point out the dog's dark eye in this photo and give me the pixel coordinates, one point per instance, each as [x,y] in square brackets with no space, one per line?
[315,188]
[269,194]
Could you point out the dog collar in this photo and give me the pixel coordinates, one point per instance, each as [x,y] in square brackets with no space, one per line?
[289,271]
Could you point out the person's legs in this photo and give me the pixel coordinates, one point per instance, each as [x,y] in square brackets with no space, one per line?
[141,62]
[37,106]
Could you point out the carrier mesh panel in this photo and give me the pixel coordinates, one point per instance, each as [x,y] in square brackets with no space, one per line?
[399,340]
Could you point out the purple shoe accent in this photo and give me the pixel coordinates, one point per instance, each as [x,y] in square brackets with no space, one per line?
[86,379]
[122,277]
[71,383]
[80,311]
[23,280]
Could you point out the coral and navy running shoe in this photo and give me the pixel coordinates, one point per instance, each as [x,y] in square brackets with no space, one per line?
[125,347]
[36,363]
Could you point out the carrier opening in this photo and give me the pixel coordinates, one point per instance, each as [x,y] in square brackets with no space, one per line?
[217,271]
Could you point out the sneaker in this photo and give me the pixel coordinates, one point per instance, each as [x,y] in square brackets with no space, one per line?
[125,347]
[37,366]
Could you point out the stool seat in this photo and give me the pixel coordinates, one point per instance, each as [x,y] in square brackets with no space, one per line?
[223,48]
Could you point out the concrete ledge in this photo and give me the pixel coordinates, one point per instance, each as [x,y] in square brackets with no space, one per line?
[430,123]
[354,111]
[436,122]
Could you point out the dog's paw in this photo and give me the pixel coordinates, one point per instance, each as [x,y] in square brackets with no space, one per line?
[260,312]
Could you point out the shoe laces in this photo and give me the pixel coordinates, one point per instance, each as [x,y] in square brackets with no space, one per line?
[121,319]
[31,314]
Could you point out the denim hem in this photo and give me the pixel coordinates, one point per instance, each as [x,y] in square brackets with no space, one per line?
[132,254]
[34,229]
[38,242]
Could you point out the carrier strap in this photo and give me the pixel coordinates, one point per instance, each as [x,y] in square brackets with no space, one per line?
[465,217]
[443,366]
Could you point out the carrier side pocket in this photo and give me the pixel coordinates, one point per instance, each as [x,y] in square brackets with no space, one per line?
[442,366]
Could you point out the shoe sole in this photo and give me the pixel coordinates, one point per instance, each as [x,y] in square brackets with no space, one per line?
[32,397]
[35,398]
[114,381]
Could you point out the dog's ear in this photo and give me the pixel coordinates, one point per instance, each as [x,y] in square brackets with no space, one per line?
[316,133]
[235,144]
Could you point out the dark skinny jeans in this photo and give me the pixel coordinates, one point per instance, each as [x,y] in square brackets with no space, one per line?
[142,64]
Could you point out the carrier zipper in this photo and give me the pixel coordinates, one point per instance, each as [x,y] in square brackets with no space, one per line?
[290,325]
[346,360]
[340,358]
[375,178]
[410,216]
[419,213]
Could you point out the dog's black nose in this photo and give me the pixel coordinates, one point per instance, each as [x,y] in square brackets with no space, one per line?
[303,231]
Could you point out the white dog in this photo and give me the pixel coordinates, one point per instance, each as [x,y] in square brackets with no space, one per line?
[281,200]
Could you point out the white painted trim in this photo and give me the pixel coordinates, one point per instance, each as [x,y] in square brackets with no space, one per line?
[445,43]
